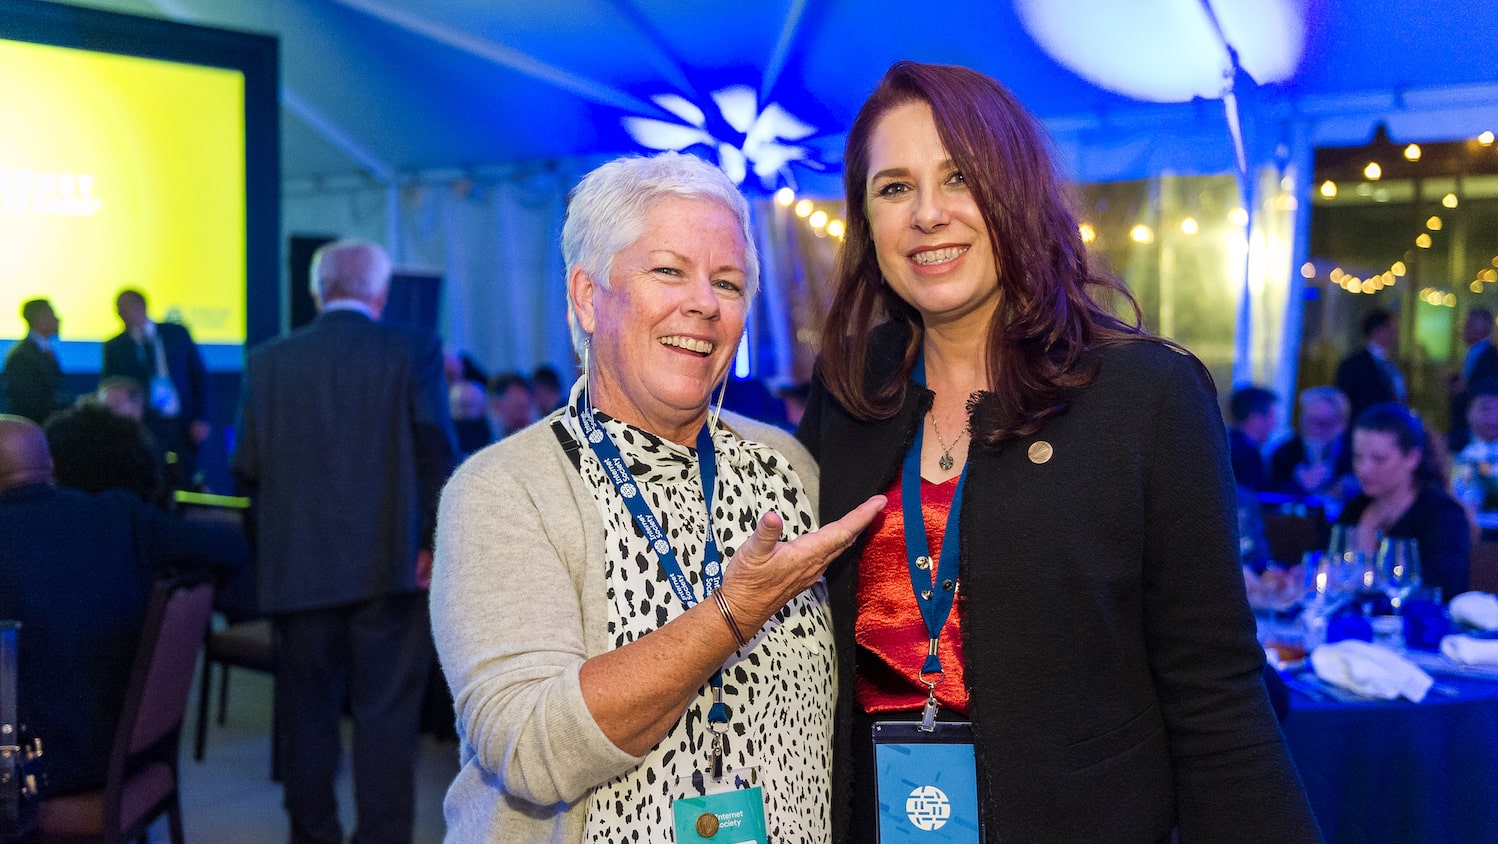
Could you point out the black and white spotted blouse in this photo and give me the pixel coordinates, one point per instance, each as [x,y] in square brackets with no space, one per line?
[779,690]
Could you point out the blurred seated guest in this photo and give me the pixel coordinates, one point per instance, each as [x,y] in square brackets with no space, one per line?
[546,389]
[1403,497]
[460,366]
[124,395]
[76,570]
[1475,474]
[32,375]
[1316,460]
[1252,413]
[583,655]
[95,449]
[510,404]
[465,400]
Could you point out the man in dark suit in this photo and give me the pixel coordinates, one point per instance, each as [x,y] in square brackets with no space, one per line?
[1370,376]
[345,443]
[163,358]
[1317,460]
[1480,364]
[33,378]
[76,570]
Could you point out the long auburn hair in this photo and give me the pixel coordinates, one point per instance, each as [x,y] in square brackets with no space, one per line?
[1051,300]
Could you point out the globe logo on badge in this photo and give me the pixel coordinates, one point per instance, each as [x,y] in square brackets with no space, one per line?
[596,436]
[628,490]
[928,808]
[711,569]
[662,546]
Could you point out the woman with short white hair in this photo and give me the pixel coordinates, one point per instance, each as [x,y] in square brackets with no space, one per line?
[606,578]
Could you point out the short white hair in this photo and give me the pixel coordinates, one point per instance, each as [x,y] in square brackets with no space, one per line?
[350,269]
[606,215]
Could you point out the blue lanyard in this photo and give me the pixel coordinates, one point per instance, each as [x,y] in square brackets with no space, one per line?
[934,599]
[624,483]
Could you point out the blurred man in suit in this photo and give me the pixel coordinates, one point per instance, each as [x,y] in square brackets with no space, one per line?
[345,443]
[1370,376]
[76,570]
[163,358]
[1317,460]
[1251,411]
[1480,364]
[33,378]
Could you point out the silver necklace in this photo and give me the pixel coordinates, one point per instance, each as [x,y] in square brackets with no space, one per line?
[946,450]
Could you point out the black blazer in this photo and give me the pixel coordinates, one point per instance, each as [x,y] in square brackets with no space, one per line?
[1111,655]
[1363,381]
[33,381]
[184,363]
[344,442]
[1440,528]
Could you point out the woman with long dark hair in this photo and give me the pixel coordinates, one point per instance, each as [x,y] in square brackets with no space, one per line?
[1402,497]
[1070,597]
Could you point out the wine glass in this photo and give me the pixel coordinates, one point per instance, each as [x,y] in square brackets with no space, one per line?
[1396,569]
[1330,583]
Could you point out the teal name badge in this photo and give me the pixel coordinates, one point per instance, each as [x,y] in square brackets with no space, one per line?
[731,817]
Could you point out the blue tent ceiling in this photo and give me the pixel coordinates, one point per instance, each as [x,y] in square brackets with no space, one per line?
[399,86]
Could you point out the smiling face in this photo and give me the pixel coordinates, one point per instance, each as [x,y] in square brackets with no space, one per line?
[665,330]
[1381,466]
[929,236]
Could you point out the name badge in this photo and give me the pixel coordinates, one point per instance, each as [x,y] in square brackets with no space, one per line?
[728,817]
[927,783]
[164,397]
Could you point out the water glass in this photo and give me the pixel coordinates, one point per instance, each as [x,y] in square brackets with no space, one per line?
[1396,569]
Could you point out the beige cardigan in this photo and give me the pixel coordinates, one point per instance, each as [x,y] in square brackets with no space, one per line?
[515,519]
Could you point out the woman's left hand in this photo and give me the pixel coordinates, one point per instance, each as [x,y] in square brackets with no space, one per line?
[766,573]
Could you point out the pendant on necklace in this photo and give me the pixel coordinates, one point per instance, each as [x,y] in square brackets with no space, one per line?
[945,462]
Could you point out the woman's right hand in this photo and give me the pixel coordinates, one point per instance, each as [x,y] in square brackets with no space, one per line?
[765,573]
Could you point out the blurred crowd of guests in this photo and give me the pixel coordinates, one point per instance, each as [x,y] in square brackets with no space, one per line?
[1362,457]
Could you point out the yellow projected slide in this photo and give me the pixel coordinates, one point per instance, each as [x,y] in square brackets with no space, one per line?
[121,172]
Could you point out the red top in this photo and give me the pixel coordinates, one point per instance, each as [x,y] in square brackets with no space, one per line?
[889,627]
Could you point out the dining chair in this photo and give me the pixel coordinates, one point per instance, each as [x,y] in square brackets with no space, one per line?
[141,783]
[1484,571]
[245,644]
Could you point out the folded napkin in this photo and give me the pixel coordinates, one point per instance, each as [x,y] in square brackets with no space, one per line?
[1370,670]
[1475,609]
[1469,650]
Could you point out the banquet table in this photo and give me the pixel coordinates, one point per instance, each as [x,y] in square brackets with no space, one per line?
[1397,771]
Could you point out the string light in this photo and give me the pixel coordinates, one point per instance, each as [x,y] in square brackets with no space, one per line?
[818,219]
[1412,152]
[836,228]
[1423,241]
[1308,270]
[1486,139]
[1142,234]
[1449,200]
[1089,234]
[784,197]
[1329,189]
[803,208]
[1373,172]
[1434,223]
[1189,226]
[1238,217]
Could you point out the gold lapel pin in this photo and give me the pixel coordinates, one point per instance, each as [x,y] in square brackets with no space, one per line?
[1040,451]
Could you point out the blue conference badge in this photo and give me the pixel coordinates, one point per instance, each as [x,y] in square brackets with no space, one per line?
[730,817]
[927,793]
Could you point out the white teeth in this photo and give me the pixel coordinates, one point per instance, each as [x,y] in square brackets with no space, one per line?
[701,347]
[937,256]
